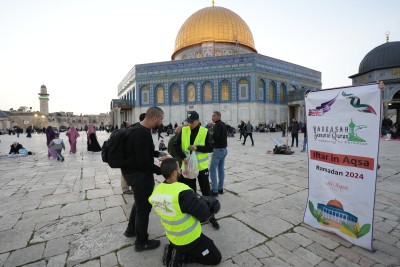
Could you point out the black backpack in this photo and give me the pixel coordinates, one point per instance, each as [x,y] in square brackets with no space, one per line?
[113,150]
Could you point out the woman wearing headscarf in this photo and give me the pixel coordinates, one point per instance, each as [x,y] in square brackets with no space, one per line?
[92,144]
[72,134]
[50,135]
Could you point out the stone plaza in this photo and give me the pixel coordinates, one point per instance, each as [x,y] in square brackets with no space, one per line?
[73,213]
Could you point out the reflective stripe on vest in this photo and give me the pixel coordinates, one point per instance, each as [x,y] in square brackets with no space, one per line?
[180,228]
[200,140]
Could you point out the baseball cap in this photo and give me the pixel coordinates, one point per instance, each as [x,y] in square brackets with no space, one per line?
[192,116]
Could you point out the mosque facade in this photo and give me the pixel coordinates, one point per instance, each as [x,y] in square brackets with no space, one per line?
[215,66]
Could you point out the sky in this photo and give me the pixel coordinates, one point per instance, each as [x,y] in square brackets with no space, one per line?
[82,49]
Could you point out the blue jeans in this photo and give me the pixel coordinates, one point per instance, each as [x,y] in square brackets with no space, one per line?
[305,143]
[218,162]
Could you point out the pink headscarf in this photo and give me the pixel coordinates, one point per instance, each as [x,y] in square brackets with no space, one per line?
[91,129]
[73,133]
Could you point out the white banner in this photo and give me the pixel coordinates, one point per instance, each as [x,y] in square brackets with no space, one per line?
[343,128]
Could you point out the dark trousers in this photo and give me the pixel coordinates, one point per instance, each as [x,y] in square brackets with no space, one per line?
[251,137]
[142,186]
[295,136]
[59,154]
[203,182]
[241,134]
[204,251]
[159,136]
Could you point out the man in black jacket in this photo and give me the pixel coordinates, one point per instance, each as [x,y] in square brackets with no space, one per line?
[294,128]
[138,174]
[220,137]
[187,242]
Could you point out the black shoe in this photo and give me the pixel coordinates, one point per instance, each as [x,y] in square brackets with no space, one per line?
[129,234]
[149,245]
[213,194]
[166,259]
[221,191]
[242,144]
[177,259]
[214,223]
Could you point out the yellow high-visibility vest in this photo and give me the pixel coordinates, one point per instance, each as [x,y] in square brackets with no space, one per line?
[202,158]
[180,228]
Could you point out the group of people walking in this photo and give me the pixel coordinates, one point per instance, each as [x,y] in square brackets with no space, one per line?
[175,200]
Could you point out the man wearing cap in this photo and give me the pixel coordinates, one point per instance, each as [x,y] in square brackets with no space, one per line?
[196,138]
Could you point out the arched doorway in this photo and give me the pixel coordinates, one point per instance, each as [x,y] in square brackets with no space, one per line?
[394,104]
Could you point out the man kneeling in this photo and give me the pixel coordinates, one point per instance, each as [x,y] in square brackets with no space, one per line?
[181,212]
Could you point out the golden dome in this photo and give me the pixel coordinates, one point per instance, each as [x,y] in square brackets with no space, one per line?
[335,203]
[214,24]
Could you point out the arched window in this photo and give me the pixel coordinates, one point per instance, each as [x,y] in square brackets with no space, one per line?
[190,93]
[145,94]
[160,94]
[207,92]
[243,85]
[175,93]
[260,89]
[271,92]
[225,95]
[282,93]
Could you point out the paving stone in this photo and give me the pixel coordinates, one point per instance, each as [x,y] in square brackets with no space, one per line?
[25,255]
[307,255]
[13,239]
[58,261]
[377,256]
[246,259]
[41,263]
[3,258]
[7,221]
[97,242]
[54,200]
[56,247]
[111,216]
[323,252]
[326,242]
[97,204]
[270,225]
[286,242]
[97,193]
[326,264]
[109,260]
[299,239]
[286,255]
[93,263]
[260,253]
[343,262]
[76,208]
[233,244]
[386,238]
[367,262]
[227,263]
[114,201]
[388,249]
[262,195]
[231,204]
[274,262]
[66,226]
[348,254]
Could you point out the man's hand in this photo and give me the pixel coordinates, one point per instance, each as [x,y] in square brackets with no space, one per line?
[193,148]
[164,157]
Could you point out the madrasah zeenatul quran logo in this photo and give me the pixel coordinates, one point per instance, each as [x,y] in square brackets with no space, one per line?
[339,133]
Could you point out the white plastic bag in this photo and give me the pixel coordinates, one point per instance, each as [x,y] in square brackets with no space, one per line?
[190,169]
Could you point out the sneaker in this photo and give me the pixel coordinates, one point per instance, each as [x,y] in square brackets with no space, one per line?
[239,139]
[214,223]
[128,192]
[166,259]
[302,151]
[221,191]
[242,144]
[177,259]
[149,245]
[213,194]
[129,234]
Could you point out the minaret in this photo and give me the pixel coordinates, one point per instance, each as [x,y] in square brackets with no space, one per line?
[44,100]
